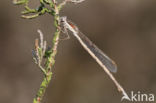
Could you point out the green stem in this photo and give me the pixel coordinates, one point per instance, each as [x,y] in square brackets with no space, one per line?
[29,13]
[50,61]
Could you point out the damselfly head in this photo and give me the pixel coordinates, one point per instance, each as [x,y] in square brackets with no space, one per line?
[63,19]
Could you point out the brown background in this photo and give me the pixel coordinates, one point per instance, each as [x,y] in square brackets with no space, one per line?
[123,29]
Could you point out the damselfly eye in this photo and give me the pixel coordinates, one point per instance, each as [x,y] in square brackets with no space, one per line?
[63,19]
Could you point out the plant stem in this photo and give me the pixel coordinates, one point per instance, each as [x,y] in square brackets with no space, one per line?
[51,59]
[40,50]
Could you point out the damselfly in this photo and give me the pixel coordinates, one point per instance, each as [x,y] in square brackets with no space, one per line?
[102,59]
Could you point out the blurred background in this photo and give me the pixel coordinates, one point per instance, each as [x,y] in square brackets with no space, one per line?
[124,29]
